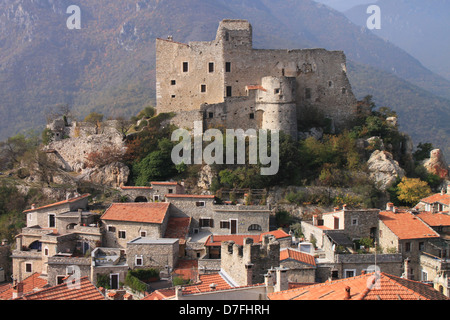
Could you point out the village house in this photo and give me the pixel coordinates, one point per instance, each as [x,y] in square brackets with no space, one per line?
[367,286]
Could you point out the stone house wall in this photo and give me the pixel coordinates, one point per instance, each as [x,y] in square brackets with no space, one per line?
[154,253]
[132,231]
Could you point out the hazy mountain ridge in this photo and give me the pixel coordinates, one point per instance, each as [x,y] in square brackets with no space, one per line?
[108,65]
[422,28]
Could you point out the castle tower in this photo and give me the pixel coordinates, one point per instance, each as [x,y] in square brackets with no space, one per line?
[277,103]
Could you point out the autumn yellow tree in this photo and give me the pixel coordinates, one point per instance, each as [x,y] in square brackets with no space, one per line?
[411,190]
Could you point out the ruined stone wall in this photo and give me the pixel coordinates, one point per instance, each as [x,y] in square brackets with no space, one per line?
[247,264]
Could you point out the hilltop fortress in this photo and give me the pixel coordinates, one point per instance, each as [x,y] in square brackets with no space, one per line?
[226,83]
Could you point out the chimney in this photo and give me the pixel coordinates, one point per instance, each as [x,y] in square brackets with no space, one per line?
[249,270]
[344,207]
[178,292]
[212,286]
[347,293]
[33,206]
[448,188]
[363,272]
[282,279]
[4,242]
[390,206]
[406,274]
[443,191]
[336,209]
[17,290]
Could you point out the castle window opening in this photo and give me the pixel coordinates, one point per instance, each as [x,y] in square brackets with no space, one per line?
[143,234]
[203,88]
[122,234]
[227,36]
[173,82]
[277,91]
[138,260]
[307,93]
[227,66]
[344,90]
[28,267]
[185,66]
[60,279]
[210,115]
[111,229]
[330,83]
[211,67]
[252,115]
[170,190]
[172,96]
[229,91]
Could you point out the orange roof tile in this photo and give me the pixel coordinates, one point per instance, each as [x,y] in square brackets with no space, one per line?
[297,255]
[386,287]
[256,87]
[134,187]
[435,219]
[239,238]
[147,212]
[278,234]
[29,285]
[406,225]
[85,291]
[198,196]
[204,283]
[216,240]
[441,198]
[178,228]
[164,183]
[160,294]
[187,269]
[60,203]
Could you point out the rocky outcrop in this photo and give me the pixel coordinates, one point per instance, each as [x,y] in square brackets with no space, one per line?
[205,177]
[114,175]
[437,165]
[384,170]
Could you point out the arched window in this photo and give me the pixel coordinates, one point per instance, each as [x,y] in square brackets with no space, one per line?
[255,227]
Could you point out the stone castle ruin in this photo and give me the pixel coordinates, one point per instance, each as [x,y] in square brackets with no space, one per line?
[227,83]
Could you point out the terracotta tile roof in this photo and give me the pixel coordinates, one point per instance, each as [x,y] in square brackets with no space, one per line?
[196,196]
[278,234]
[164,183]
[216,240]
[86,291]
[441,198]
[292,254]
[435,219]
[187,269]
[406,225]
[160,294]
[204,283]
[134,187]
[178,228]
[29,284]
[239,238]
[256,87]
[60,203]
[386,287]
[147,212]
